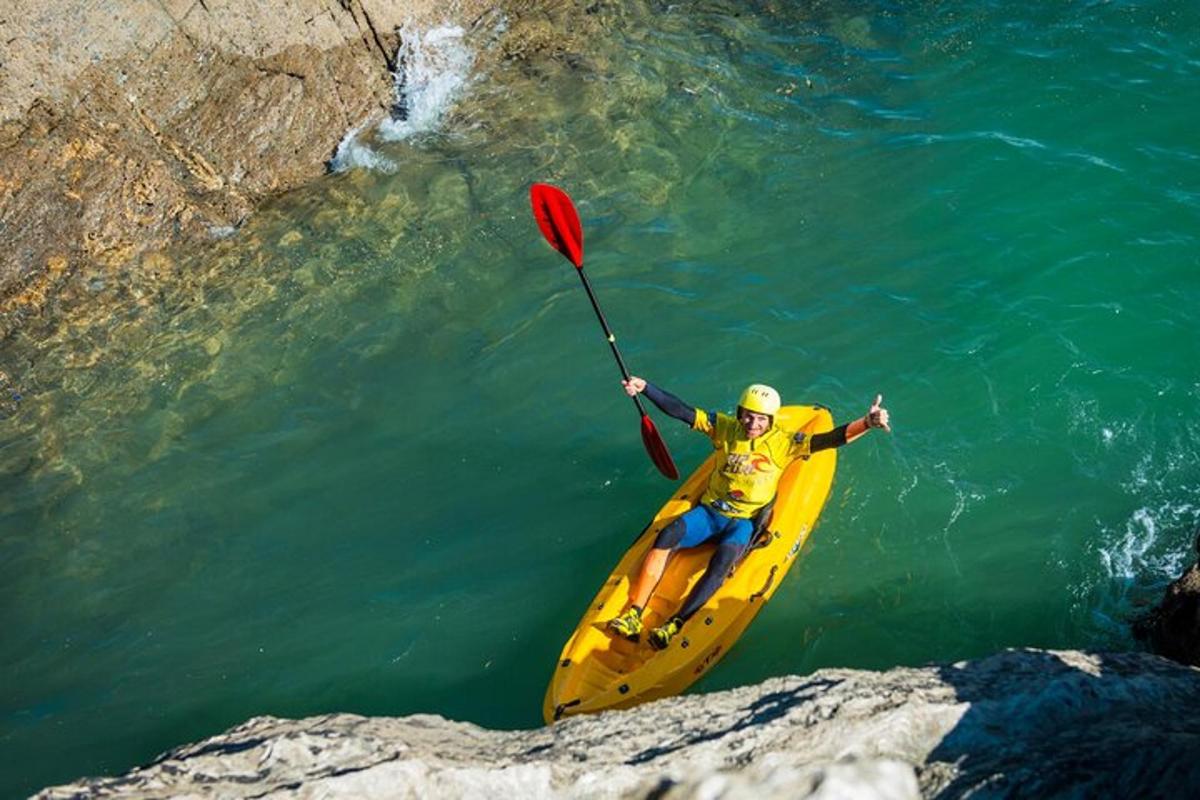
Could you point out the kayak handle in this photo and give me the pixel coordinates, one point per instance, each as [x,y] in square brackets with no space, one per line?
[767,585]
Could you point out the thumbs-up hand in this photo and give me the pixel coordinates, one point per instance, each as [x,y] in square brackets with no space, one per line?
[877,416]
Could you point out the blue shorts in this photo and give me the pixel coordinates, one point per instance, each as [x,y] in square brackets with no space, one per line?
[705,524]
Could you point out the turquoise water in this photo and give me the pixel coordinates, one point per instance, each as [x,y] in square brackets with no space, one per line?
[370,455]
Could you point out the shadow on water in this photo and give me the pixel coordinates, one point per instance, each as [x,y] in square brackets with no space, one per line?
[1042,724]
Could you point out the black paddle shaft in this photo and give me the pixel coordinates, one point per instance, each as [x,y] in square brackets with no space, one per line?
[612,340]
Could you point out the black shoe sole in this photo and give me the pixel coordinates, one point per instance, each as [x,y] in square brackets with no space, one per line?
[635,637]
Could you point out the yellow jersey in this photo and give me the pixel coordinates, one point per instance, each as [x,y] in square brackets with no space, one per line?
[749,470]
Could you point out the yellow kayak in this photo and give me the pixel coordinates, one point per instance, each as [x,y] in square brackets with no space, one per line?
[599,670]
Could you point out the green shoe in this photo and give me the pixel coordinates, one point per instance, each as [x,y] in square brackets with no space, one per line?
[661,636]
[628,625]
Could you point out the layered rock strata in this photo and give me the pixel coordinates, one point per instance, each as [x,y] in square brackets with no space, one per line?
[1022,723]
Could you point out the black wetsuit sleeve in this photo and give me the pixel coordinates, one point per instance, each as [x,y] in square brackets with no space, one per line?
[828,439]
[670,404]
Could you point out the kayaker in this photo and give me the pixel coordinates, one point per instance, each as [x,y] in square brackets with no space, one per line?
[756,453]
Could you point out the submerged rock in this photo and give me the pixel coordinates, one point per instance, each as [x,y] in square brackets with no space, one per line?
[1022,723]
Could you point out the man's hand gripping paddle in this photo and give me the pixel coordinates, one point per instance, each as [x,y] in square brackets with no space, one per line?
[559,223]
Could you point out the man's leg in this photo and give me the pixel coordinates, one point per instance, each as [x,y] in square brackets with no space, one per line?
[692,526]
[718,569]
[735,537]
[653,567]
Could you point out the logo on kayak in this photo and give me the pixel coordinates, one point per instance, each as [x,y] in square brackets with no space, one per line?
[799,541]
[708,660]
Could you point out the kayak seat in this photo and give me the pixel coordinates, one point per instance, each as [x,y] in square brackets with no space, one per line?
[762,520]
[760,536]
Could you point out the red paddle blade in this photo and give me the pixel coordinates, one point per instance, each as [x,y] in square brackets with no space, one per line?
[558,221]
[657,449]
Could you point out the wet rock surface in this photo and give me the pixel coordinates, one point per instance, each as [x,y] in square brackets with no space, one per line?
[1172,628]
[127,127]
[1020,723]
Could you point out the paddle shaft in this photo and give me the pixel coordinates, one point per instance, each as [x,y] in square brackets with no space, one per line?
[608,334]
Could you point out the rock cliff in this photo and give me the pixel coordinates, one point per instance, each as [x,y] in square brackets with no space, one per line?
[1022,723]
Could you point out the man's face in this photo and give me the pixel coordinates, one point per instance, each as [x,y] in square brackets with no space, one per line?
[753,424]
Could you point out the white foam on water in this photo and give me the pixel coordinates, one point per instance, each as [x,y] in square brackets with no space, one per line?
[1154,543]
[353,153]
[433,68]
[1135,553]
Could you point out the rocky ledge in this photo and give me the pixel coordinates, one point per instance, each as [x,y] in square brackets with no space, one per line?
[1023,723]
[127,127]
